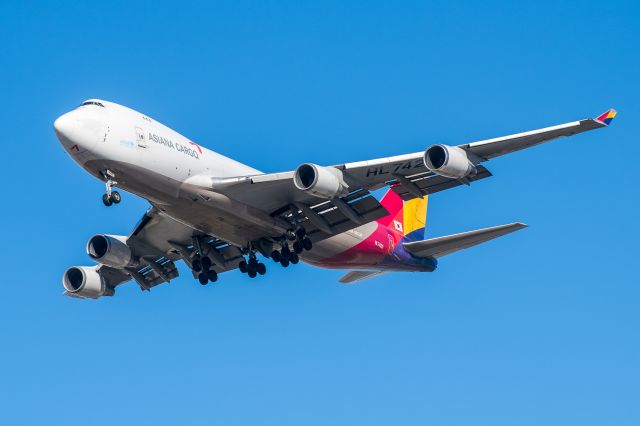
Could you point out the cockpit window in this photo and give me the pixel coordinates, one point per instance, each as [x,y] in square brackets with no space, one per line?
[92,103]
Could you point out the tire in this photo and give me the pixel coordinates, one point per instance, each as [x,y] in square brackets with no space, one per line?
[300,233]
[285,253]
[307,244]
[242,266]
[116,197]
[196,264]
[298,247]
[206,263]
[252,274]
[106,200]
[251,268]
[212,276]
[276,256]
[284,263]
[203,278]
[261,269]
[294,259]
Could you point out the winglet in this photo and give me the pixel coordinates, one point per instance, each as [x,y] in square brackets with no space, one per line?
[607,117]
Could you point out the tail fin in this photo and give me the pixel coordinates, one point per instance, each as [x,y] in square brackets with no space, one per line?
[405,217]
[607,117]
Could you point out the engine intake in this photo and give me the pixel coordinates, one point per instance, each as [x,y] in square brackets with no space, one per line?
[85,282]
[110,250]
[322,182]
[448,161]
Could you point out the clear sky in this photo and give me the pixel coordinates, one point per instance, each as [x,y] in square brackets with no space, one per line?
[539,327]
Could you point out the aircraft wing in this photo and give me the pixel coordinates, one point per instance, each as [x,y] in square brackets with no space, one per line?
[406,174]
[159,242]
[491,148]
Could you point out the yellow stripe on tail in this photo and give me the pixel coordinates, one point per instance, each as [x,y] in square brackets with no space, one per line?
[415,217]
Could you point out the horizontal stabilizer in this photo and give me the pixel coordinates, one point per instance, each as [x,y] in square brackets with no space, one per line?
[442,246]
[355,276]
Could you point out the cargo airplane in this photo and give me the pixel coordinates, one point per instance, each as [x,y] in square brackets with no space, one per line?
[217,214]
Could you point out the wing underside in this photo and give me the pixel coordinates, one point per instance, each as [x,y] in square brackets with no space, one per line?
[442,246]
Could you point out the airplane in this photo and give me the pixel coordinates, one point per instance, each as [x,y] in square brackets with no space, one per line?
[217,214]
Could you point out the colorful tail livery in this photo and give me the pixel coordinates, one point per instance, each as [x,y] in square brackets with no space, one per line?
[396,242]
[607,117]
[406,218]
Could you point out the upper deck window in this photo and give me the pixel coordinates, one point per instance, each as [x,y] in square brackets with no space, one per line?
[92,103]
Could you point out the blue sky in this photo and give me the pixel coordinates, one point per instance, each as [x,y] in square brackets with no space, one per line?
[540,327]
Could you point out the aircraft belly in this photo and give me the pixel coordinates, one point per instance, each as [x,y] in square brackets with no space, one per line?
[341,243]
[234,229]
[208,212]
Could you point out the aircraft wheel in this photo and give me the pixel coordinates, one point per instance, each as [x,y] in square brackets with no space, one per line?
[298,247]
[294,259]
[251,268]
[307,244]
[206,263]
[203,278]
[116,197]
[252,274]
[261,269]
[285,252]
[196,264]
[284,262]
[301,232]
[212,276]
[106,200]
[242,266]
[275,255]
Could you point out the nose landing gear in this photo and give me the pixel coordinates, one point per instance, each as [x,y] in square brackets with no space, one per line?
[110,197]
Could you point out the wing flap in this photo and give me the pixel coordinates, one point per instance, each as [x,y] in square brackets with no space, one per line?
[429,183]
[363,204]
[442,246]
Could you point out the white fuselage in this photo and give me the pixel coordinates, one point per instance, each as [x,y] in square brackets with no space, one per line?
[162,166]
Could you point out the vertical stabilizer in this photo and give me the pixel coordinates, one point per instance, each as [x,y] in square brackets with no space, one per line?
[407,218]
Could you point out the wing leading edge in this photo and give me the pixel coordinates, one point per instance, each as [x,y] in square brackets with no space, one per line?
[406,173]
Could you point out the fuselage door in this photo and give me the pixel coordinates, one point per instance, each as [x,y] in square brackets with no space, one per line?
[140,139]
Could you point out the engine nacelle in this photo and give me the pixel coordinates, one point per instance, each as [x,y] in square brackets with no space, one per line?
[85,282]
[448,161]
[110,250]
[322,182]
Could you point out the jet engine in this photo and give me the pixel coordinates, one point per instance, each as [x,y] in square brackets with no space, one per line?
[448,161]
[110,250]
[85,282]
[322,182]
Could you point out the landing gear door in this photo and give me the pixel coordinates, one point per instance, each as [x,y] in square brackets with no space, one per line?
[140,139]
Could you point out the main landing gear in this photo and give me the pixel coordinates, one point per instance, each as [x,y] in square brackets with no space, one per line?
[292,243]
[110,197]
[252,267]
[286,255]
[202,266]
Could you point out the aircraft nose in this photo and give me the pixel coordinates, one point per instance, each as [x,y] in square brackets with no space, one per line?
[65,126]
